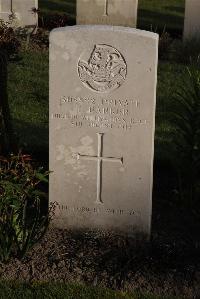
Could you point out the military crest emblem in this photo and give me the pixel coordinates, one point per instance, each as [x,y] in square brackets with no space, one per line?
[105,70]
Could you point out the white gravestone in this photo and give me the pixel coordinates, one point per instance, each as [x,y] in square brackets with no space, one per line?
[102,118]
[19,12]
[107,12]
[192,19]
[5,9]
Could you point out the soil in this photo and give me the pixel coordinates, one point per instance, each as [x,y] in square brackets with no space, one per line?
[168,265]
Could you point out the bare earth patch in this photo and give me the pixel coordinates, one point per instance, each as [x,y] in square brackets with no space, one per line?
[104,259]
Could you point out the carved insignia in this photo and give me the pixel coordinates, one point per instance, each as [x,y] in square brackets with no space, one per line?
[105,70]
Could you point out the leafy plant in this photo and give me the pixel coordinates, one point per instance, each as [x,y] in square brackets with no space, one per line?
[24,215]
[185,119]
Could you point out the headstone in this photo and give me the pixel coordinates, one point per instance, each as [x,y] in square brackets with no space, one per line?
[5,9]
[192,19]
[107,12]
[102,118]
[20,13]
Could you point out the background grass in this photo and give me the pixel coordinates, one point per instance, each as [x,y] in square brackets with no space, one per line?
[58,7]
[156,14]
[160,14]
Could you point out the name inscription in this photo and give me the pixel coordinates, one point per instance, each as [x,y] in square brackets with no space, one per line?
[102,113]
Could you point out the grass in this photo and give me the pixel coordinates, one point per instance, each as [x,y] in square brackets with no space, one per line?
[28,98]
[152,14]
[64,291]
[160,14]
[58,6]
[170,76]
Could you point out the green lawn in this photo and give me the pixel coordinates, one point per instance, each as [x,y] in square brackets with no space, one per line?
[152,14]
[161,14]
[64,291]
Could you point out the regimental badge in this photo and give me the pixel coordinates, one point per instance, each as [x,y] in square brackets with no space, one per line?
[105,70]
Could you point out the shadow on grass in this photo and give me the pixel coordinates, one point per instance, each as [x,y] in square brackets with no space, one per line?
[33,139]
[61,6]
[177,9]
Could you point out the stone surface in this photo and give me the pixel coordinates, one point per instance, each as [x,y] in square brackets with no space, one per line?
[102,114]
[5,9]
[21,10]
[107,12]
[192,19]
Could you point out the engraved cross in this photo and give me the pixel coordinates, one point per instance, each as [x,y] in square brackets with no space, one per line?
[99,158]
[105,8]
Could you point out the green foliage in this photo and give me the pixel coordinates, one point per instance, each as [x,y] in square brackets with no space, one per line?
[22,220]
[185,119]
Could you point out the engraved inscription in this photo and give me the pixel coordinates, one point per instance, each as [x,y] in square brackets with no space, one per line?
[105,8]
[107,20]
[105,70]
[97,210]
[104,113]
[99,158]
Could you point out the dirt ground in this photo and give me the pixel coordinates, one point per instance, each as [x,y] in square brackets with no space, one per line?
[168,265]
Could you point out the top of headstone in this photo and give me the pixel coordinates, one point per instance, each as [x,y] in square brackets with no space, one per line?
[134,31]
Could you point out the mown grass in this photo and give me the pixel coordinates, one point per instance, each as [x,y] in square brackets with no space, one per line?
[64,291]
[152,14]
